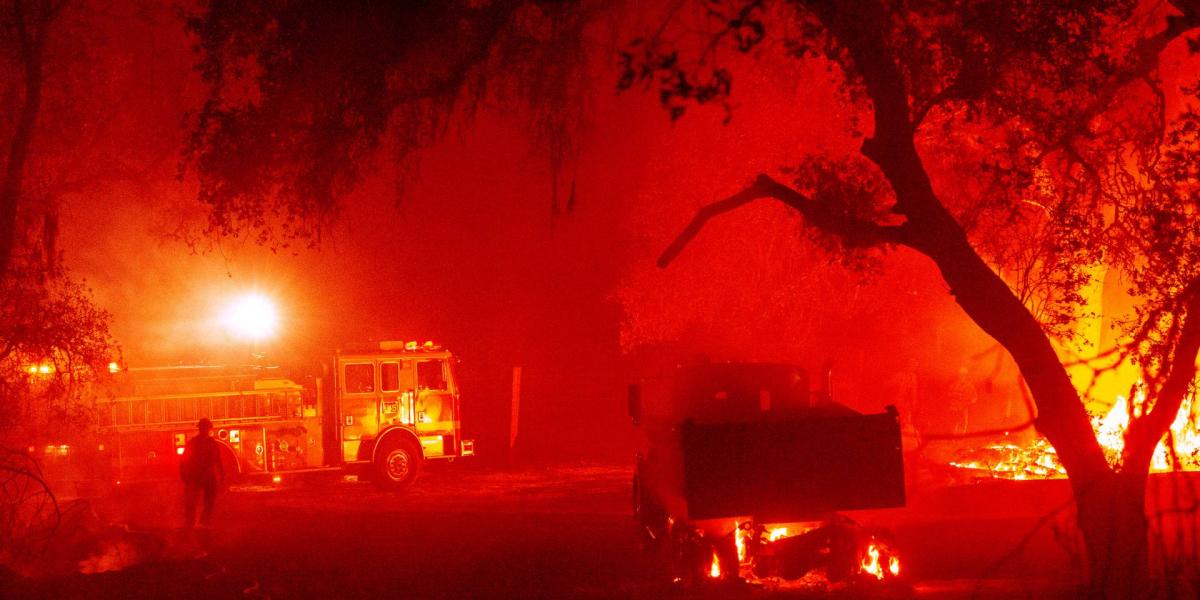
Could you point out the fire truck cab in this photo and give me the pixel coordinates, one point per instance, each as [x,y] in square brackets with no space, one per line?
[395,405]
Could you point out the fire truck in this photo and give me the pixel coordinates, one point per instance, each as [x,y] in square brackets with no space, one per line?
[381,410]
[742,473]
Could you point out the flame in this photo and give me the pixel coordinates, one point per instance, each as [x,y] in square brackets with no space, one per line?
[777,533]
[739,538]
[714,571]
[873,561]
[870,563]
[1038,460]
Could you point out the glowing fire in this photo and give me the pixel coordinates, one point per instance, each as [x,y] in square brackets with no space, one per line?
[1039,460]
[874,556]
[873,562]
[870,564]
[739,538]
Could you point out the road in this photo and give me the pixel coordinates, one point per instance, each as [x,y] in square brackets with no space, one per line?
[463,531]
[458,533]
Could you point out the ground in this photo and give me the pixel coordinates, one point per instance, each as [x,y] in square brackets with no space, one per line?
[473,531]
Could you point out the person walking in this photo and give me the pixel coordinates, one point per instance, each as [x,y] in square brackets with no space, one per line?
[202,473]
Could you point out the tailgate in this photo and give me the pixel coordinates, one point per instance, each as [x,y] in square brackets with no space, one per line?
[792,470]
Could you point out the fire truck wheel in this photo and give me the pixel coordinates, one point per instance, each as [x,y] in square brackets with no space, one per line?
[396,464]
[229,466]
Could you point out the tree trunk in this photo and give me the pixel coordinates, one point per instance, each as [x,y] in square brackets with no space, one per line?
[1112,518]
[22,138]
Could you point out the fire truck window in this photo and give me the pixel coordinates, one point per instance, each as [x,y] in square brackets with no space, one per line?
[430,375]
[360,379]
[389,377]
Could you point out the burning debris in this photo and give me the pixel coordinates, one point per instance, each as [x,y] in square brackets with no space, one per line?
[822,555]
[1178,451]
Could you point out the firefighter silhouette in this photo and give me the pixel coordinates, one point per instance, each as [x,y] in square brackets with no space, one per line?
[202,474]
[962,397]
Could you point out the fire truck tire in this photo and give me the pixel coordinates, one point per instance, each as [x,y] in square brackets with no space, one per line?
[396,464]
[230,466]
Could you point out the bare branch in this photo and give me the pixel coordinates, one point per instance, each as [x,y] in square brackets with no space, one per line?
[1144,433]
[857,231]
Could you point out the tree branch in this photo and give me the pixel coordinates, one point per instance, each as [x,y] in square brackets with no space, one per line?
[853,230]
[1144,433]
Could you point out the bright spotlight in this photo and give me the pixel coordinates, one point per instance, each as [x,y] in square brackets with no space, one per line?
[251,316]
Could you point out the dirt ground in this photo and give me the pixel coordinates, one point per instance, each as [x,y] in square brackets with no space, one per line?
[471,531]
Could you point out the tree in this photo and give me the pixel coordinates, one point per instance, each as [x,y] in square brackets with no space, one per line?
[47,320]
[1000,137]
[304,96]
[54,343]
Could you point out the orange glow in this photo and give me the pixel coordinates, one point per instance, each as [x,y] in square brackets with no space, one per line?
[714,571]
[251,316]
[276,479]
[894,566]
[113,367]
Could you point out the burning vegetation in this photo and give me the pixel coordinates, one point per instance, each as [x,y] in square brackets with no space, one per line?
[1179,449]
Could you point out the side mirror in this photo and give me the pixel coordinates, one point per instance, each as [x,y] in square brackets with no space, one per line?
[635,403]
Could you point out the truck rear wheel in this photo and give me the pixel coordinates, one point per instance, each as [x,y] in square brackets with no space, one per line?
[230,467]
[396,464]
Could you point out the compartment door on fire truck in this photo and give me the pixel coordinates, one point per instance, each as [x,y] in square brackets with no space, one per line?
[435,402]
[396,382]
[359,396]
